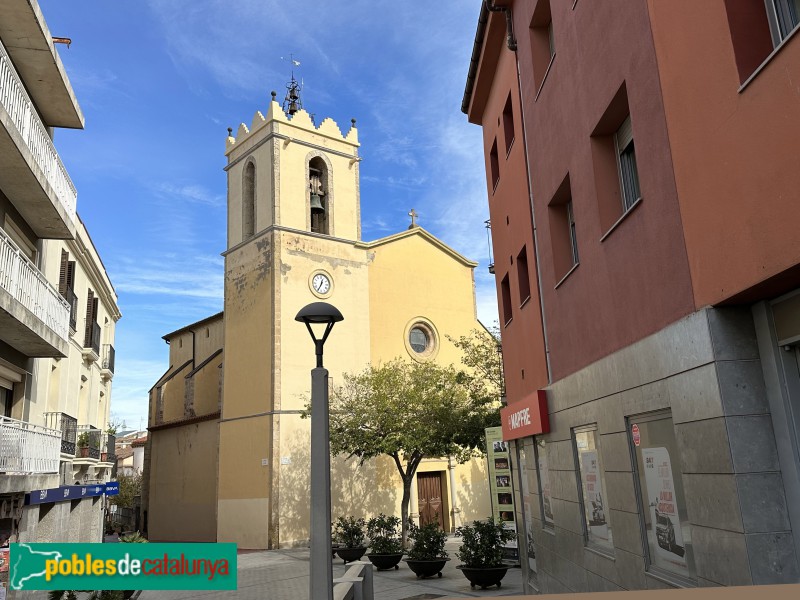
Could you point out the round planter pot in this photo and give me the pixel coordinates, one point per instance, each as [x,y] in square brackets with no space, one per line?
[483,577]
[350,554]
[385,562]
[427,568]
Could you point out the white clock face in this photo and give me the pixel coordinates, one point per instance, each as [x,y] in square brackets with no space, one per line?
[321,283]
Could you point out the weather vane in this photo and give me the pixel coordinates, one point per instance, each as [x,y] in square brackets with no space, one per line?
[292,102]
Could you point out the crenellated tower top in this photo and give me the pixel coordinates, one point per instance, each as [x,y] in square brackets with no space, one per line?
[285,170]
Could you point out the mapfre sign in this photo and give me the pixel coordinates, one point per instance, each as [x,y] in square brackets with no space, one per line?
[526,417]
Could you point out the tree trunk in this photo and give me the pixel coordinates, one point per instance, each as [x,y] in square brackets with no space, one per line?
[404,508]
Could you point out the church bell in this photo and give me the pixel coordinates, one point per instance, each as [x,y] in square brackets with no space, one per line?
[316,204]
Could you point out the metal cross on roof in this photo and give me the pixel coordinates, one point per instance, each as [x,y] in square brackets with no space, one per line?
[413,214]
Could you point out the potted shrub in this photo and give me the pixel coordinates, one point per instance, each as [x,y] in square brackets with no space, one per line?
[427,555]
[481,552]
[349,533]
[384,541]
[83,444]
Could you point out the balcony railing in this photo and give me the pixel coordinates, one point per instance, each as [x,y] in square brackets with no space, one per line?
[19,107]
[109,448]
[28,448]
[72,300]
[69,429]
[108,357]
[93,338]
[92,436]
[20,278]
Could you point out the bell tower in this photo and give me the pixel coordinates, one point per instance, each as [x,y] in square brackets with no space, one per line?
[287,171]
[294,237]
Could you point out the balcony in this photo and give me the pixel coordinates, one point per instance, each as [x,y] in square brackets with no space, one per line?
[32,175]
[34,318]
[89,442]
[107,364]
[91,343]
[68,426]
[109,450]
[27,448]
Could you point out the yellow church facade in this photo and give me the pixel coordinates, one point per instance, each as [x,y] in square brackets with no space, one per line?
[228,453]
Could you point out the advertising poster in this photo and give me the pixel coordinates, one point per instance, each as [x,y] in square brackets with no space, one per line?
[526,507]
[595,508]
[665,524]
[500,485]
[544,474]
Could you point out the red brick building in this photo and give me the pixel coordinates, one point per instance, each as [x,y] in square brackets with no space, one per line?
[643,191]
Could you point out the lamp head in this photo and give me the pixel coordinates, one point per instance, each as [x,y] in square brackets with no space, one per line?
[319,312]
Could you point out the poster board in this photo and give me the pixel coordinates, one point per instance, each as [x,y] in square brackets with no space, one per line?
[500,490]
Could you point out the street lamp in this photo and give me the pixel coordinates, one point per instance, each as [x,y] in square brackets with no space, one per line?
[321,573]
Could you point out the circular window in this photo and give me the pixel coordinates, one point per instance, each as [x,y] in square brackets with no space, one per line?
[421,339]
[418,340]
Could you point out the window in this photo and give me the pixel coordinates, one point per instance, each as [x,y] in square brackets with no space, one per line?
[573,240]
[418,340]
[751,34]
[494,166]
[543,48]
[526,466]
[421,339]
[318,202]
[66,287]
[661,496]
[626,162]
[593,489]
[249,201]
[505,291]
[523,276]
[92,333]
[508,124]
[544,483]
[783,16]
[6,401]
[563,234]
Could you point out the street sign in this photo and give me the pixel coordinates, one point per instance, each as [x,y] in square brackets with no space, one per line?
[112,488]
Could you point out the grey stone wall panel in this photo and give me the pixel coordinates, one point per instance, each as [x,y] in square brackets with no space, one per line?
[733,333]
[763,502]
[694,395]
[712,501]
[721,556]
[742,387]
[704,446]
[752,442]
[772,558]
[615,452]
[626,531]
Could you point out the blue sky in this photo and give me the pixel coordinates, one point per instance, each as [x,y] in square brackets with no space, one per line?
[160,81]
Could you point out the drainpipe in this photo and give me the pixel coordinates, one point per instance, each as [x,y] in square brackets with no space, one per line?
[533,225]
[511,41]
[451,466]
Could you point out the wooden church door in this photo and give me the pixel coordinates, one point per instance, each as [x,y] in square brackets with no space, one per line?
[429,493]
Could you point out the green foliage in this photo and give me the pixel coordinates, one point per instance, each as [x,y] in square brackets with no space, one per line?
[482,543]
[384,534]
[407,410]
[83,440]
[130,486]
[349,532]
[134,538]
[97,595]
[429,541]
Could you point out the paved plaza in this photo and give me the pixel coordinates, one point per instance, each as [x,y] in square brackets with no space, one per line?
[283,575]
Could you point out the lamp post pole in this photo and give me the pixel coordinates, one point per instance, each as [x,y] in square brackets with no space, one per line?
[321,569]
[321,559]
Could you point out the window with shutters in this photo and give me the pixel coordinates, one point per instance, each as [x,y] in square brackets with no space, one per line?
[92,334]
[626,164]
[66,287]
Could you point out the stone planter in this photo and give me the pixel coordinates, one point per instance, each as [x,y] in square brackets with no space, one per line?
[385,562]
[427,568]
[483,577]
[350,554]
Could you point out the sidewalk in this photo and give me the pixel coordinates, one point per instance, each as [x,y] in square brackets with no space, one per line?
[283,575]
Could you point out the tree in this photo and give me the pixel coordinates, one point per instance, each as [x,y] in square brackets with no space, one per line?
[409,411]
[129,487]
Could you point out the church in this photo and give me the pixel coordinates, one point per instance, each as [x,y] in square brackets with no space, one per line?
[228,453]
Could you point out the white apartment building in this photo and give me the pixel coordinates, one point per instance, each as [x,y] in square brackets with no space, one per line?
[58,309]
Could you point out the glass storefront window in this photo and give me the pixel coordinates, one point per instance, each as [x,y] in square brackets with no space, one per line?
[593,489]
[661,497]
[544,483]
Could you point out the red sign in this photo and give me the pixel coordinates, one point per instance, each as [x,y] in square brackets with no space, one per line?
[636,436]
[526,417]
